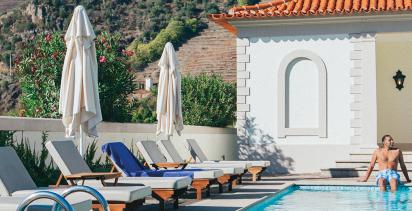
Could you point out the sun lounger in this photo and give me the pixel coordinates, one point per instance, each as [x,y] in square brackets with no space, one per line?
[12,203]
[126,163]
[154,157]
[74,169]
[171,154]
[256,168]
[16,181]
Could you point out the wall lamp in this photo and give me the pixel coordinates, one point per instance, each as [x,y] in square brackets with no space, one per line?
[399,79]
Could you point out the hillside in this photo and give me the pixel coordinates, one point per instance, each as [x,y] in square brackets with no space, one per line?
[134,19]
[7,5]
[212,51]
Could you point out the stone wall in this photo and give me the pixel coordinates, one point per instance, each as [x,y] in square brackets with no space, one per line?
[213,51]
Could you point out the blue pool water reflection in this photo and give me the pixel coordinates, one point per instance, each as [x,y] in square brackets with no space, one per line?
[360,198]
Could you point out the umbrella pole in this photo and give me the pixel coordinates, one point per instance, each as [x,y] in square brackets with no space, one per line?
[81,141]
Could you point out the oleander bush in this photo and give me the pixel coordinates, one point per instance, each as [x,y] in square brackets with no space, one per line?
[40,69]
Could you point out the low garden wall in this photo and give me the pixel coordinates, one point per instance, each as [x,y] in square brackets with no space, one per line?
[216,142]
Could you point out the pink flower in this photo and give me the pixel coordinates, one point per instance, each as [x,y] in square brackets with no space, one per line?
[127,53]
[32,37]
[48,37]
[102,59]
[106,45]
[54,55]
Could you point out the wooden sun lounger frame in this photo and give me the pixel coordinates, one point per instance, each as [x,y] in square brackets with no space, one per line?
[230,179]
[198,184]
[256,172]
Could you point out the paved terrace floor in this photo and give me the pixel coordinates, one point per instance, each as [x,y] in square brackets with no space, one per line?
[248,193]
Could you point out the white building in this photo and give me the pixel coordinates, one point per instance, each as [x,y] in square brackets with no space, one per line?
[315,79]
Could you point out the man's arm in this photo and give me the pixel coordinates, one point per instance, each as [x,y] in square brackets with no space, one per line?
[403,166]
[370,168]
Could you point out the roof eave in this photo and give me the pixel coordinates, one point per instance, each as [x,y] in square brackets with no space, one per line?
[317,20]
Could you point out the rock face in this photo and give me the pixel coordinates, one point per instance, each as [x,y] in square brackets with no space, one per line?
[213,51]
[35,13]
[9,93]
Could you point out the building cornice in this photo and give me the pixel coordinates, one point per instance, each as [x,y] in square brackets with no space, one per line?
[297,21]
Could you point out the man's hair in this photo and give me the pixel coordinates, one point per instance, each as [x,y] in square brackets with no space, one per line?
[386,136]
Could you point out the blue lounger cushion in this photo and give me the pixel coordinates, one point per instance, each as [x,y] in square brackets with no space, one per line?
[131,166]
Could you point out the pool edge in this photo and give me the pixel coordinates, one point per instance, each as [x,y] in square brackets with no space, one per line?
[268,196]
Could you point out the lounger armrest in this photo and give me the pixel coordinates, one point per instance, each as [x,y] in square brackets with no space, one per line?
[102,176]
[169,165]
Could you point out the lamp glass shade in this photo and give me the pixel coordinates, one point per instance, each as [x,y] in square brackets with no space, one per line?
[399,79]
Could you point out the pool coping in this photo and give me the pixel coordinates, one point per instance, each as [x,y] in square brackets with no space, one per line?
[280,191]
[303,182]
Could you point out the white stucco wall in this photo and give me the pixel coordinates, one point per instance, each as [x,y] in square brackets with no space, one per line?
[266,54]
[302,153]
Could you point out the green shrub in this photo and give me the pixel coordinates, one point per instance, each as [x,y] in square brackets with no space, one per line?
[40,73]
[42,173]
[176,32]
[211,8]
[208,101]
[144,110]
[247,2]
[94,163]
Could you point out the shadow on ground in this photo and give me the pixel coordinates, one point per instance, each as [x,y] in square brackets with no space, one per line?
[254,144]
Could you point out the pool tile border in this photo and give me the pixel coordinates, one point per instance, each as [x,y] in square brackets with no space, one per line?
[332,184]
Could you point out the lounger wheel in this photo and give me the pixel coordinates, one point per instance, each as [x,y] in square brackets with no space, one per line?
[45,195]
[86,189]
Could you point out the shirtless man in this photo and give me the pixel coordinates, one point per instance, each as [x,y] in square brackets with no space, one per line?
[387,157]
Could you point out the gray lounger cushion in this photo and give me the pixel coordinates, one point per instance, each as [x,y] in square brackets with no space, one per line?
[175,183]
[170,151]
[67,157]
[207,174]
[13,174]
[11,203]
[152,154]
[259,163]
[113,193]
[198,152]
[225,169]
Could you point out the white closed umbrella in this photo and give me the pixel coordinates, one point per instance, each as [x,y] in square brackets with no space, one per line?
[169,103]
[79,96]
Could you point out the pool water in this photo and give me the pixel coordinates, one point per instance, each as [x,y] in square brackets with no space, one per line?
[359,198]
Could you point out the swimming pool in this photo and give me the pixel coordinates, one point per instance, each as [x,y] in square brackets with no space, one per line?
[362,198]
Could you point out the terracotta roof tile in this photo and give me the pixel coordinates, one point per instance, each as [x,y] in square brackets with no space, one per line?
[281,8]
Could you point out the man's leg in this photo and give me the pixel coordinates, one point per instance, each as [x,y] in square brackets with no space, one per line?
[382,184]
[394,184]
